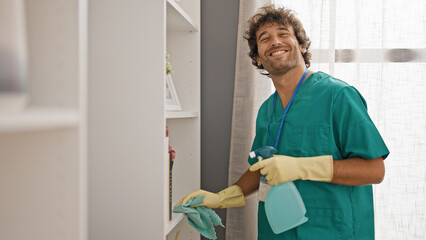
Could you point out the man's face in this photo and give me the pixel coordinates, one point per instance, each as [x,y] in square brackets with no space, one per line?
[278,49]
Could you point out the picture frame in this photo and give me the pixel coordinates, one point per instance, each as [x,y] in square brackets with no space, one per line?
[172,100]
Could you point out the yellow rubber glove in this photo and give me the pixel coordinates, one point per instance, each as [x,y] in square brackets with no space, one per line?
[230,197]
[279,168]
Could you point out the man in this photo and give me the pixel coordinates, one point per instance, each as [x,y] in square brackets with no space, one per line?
[327,144]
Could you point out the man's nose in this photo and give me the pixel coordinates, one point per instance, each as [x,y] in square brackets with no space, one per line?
[276,41]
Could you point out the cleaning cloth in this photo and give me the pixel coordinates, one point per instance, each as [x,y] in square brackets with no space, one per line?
[201,218]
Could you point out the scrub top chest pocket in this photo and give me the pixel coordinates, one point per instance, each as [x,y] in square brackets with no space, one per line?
[310,140]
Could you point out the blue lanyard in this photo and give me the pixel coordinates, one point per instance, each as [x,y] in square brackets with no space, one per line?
[285,111]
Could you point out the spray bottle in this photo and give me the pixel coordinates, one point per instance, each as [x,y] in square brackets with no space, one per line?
[283,205]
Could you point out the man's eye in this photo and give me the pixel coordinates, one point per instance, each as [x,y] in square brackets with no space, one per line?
[264,39]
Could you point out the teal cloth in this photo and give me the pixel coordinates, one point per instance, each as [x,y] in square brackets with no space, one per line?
[201,218]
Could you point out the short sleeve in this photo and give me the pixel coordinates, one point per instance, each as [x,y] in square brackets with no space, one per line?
[261,132]
[256,144]
[354,132]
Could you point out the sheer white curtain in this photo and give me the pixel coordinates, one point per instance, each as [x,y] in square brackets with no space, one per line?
[378,46]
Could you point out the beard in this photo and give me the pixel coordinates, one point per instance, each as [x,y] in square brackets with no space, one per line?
[283,64]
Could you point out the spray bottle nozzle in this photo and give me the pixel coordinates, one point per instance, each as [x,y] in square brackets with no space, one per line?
[263,152]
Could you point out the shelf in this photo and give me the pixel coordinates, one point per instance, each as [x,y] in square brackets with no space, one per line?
[38,119]
[178,19]
[177,217]
[181,114]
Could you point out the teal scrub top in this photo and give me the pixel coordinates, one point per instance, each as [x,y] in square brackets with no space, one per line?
[327,117]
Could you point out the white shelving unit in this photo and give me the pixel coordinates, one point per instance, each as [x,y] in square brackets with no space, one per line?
[129,175]
[43,146]
[183,46]
[87,157]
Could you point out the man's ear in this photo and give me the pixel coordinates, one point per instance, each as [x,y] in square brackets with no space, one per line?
[303,49]
[258,61]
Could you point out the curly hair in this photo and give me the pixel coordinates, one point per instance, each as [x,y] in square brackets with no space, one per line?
[271,14]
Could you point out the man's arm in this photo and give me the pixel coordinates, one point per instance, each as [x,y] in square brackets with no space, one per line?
[249,182]
[358,171]
[351,172]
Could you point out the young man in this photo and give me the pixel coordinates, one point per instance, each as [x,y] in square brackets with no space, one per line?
[327,144]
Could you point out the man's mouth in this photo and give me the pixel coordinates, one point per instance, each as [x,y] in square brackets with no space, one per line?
[278,52]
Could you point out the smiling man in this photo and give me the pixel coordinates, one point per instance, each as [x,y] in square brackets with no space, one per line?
[278,49]
[327,144]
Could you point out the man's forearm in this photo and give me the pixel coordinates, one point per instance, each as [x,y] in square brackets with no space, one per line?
[358,171]
[249,182]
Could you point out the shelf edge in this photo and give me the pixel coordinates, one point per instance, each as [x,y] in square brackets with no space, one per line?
[174,222]
[181,114]
[175,7]
[38,120]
